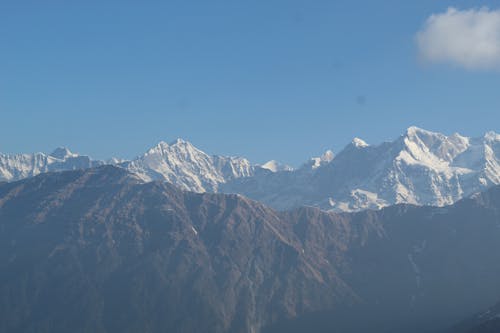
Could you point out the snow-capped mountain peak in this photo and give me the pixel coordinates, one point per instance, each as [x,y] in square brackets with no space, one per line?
[163,146]
[419,167]
[180,141]
[414,130]
[433,148]
[275,166]
[316,162]
[18,166]
[186,166]
[327,156]
[492,136]
[62,153]
[359,143]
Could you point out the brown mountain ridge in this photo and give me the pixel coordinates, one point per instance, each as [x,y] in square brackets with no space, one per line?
[100,251]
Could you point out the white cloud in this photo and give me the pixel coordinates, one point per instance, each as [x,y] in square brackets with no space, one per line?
[464,38]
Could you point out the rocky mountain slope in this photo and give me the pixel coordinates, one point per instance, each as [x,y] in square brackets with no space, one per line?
[99,250]
[487,321]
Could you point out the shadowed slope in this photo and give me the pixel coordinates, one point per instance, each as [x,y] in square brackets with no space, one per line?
[100,251]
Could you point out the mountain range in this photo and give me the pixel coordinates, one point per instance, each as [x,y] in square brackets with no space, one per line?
[100,250]
[419,167]
[19,166]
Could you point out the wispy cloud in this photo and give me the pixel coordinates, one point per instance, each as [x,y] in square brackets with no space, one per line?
[464,38]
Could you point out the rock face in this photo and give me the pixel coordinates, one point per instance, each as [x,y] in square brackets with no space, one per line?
[420,167]
[99,250]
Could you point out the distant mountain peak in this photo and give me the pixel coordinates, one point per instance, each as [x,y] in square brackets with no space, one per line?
[327,156]
[62,153]
[276,166]
[162,144]
[359,143]
[418,167]
[414,130]
[492,136]
[188,167]
[164,147]
[18,166]
[180,141]
[317,162]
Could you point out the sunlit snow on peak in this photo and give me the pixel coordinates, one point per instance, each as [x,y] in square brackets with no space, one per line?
[359,143]
[62,153]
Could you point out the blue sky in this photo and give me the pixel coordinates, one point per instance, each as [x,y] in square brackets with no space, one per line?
[267,80]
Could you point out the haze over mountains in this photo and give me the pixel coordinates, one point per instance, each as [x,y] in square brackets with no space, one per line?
[420,167]
[99,250]
[172,240]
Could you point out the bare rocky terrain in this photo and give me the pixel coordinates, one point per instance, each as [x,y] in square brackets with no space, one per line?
[98,250]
